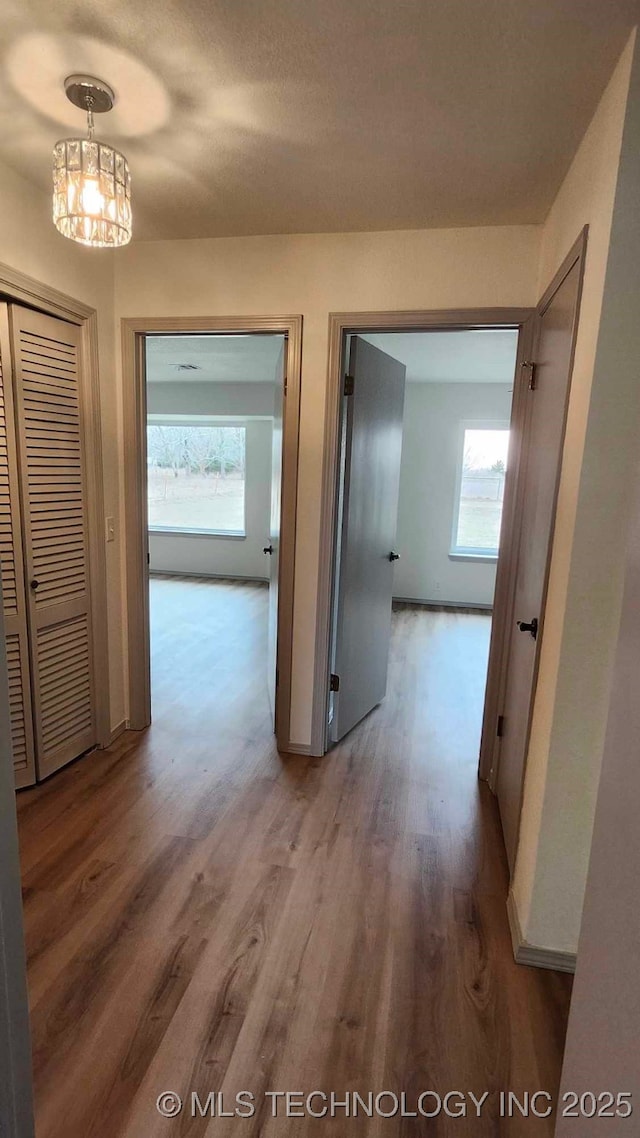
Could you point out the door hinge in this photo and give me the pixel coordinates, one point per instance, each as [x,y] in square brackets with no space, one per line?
[349,385]
[148,558]
[286,381]
[277,677]
[334,682]
[500,726]
[532,373]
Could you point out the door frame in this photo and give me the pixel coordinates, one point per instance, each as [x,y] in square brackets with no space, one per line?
[18,288]
[16,1084]
[341,325]
[134,331]
[498,650]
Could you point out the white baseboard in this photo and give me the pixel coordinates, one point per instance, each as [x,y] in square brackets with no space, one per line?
[532,954]
[439,604]
[209,576]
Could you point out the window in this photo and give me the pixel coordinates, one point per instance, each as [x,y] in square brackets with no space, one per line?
[196,477]
[480,492]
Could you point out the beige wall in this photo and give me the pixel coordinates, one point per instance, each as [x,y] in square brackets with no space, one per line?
[30,244]
[585,582]
[315,275]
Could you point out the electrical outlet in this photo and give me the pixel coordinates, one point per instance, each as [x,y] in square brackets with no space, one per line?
[111,529]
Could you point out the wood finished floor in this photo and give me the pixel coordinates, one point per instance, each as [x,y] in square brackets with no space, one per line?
[204,914]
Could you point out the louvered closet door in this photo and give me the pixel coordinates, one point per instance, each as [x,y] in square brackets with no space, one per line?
[52,477]
[13,584]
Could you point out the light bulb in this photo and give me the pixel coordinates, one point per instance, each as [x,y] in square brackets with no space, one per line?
[92,199]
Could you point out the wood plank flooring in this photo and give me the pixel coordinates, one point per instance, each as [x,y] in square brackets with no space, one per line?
[203,914]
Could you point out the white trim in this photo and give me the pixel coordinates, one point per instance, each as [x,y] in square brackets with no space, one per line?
[434,603]
[209,576]
[534,955]
[174,531]
[464,555]
[170,419]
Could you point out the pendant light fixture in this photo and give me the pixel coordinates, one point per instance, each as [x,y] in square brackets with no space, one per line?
[91,180]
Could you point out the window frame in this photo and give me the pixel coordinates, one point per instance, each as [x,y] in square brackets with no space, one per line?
[459,552]
[159,419]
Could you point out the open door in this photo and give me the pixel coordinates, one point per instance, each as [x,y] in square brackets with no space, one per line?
[554,340]
[372,449]
[272,550]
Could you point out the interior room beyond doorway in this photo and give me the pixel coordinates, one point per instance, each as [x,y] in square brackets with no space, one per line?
[447,454]
[455,432]
[214,412]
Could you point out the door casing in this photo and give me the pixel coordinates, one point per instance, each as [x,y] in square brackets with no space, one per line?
[134,330]
[507,573]
[19,288]
[341,325]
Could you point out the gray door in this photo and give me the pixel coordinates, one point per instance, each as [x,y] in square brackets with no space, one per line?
[372,448]
[556,324]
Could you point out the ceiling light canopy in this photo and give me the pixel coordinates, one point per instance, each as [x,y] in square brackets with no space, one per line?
[91,180]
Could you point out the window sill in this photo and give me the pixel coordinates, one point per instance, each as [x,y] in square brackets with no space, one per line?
[485,558]
[228,535]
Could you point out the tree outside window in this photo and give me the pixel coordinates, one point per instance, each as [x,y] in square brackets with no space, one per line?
[196,477]
[478,508]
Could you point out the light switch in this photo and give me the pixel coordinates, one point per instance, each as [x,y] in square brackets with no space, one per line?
[111,529]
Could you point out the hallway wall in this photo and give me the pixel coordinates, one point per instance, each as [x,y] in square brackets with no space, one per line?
[585,586]
[315,275]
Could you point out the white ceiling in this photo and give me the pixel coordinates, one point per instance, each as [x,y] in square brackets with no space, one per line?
[317,115]
[478,356]
[223,359]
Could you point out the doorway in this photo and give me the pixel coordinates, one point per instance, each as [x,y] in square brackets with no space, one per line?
[424,461]
[215,421]
[425,430]
[365,421]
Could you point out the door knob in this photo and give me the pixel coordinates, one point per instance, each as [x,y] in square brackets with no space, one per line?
[394,556]
[34,584]
[268,549]
[529,626]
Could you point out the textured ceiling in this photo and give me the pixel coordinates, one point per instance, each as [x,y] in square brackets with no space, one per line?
[452,357]
[223,359]
[317,115]
[479,356]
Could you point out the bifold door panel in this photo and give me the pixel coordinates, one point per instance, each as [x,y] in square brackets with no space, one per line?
[50,524]
[13,579]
